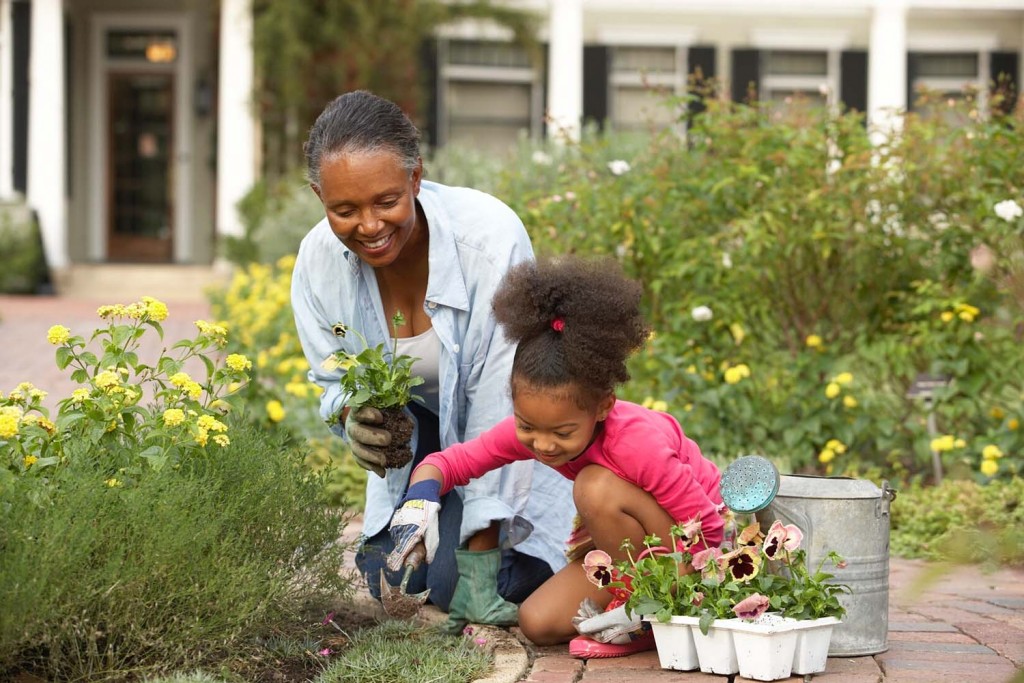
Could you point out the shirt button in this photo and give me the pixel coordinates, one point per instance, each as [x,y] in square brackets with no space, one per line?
[455,348]
[431,304]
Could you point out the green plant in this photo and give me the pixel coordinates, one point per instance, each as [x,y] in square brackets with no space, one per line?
[375,377]
[137,535]
[401,651]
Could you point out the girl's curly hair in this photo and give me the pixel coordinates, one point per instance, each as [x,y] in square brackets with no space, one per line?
[575,322]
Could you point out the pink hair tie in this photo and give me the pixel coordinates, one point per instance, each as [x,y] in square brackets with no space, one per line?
[558,324]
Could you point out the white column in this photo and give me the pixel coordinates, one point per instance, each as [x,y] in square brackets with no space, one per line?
[887,67]
[236,122]
[6,102]
[46,159]
[565,69]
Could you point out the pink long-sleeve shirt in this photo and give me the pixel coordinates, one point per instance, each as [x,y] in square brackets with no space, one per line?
[642,446]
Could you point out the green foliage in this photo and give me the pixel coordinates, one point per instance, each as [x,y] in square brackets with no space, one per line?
[276,215]
[400,651]
[21,244]
[303,64]
[961,521]
[188,562]
[780,251]
[376,377]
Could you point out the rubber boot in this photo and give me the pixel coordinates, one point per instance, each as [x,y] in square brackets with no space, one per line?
[476,598]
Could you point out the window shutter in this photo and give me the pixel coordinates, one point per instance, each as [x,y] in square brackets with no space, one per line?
[911,77]
[21,25]
[746,74]
[853,80]
[701,63]
[595,84]
[1005,77]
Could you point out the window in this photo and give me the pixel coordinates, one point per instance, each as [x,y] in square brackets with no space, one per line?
[947,77]
[489,94]
[794,77]
[641,78]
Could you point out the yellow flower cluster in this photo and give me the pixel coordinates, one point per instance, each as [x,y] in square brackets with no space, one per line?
[216,332]
[964,312]
[275,411]
[946,442]
[10,421]
[238,362]
[207,424]
[183,381]
[813,341]
[834,388]
[833,447]
[734,374]
[29,460]
[146,309]
[25,392]
[990,456]
[58,334]
[658,405]
[173,417]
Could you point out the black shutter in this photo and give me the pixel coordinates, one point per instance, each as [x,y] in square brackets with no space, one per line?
[701,61]
[21,24]
[595,84]
[746,74]
[1005,77]
[853,80]
[431,75]
[912,58]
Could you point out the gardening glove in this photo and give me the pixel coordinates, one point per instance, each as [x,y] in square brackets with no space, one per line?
[365,440]
[613,626]
[476,598]
[414,521]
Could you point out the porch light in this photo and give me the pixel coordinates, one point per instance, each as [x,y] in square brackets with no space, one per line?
[161,51]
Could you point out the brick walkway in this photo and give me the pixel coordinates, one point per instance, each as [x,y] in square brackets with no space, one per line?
[963,625]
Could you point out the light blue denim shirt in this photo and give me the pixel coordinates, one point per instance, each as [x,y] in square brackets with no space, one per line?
[474,239]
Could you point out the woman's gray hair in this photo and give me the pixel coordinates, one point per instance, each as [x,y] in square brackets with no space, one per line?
[361,122]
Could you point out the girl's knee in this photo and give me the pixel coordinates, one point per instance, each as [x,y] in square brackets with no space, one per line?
[536,625]
[594,484]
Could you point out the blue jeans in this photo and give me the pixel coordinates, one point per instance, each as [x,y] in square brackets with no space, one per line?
[519,575]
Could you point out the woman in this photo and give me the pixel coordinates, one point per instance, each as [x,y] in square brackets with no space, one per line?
[392,241]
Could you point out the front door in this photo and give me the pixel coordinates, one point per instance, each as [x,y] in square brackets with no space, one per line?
[140,165]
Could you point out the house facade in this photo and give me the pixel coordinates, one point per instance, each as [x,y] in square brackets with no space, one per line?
[127,125]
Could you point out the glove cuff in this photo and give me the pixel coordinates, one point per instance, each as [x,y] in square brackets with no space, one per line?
[428,489]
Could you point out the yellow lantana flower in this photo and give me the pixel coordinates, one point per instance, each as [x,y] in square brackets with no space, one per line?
[989,467]
[832,390]
[849,401]
[275,411]
[946,442]
[991,452]
[736,373]
[836,445]
[813,341]
[997,413]
[157,310]
[112,482]
[238,362]
[107,379]
[826,456]
[173,417]
[28,460]
[947,316]
[1013,424]
[58,334]
[844,378]
[660,406]
[79,395]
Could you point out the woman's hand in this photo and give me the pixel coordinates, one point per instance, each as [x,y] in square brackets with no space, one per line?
[366,438]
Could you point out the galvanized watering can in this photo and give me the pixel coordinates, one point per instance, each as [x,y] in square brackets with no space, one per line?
[849,516]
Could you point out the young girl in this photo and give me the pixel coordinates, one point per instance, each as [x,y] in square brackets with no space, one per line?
[635,472]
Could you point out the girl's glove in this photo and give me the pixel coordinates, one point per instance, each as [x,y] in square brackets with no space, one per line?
[365,439]
[414,521]
[605,627]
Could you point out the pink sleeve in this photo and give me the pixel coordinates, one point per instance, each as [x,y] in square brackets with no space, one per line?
[464,461]
[675,480]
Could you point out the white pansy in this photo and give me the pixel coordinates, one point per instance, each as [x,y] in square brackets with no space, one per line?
[541,158]
[701,314]
[619,166]
[1009,210]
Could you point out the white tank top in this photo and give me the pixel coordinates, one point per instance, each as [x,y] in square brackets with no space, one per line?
[427,348]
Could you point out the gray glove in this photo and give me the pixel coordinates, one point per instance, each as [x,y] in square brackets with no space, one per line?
[365,439]
[605,627]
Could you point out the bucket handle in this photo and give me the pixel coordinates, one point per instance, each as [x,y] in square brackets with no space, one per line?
[885,501]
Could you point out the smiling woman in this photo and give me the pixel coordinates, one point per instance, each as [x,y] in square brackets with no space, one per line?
[392,241]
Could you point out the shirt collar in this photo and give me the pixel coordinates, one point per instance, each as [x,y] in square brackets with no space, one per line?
[446,284]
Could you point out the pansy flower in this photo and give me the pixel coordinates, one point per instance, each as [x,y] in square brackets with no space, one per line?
[774,540]
[741,564]
[793,537]
[751,607]
[702,558]
[689,533]
[598,566]
[751,535]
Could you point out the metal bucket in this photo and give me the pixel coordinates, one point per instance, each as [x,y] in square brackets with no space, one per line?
[851,517]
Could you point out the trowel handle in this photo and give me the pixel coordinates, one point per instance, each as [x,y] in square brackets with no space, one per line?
[413,560]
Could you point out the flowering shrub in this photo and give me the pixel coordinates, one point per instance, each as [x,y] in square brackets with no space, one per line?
[154,411]
[800,277]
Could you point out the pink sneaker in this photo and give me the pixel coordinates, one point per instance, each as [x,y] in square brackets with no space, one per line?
[584,647]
